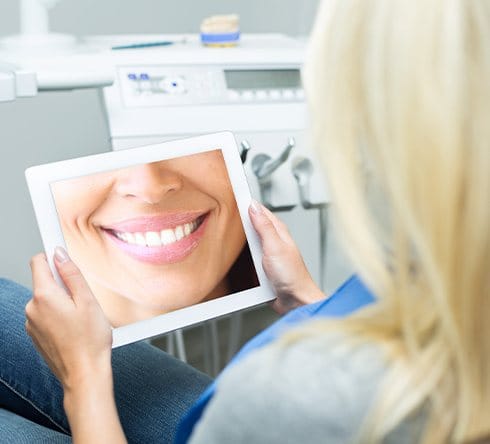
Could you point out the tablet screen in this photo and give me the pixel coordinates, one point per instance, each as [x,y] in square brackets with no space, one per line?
[156,237]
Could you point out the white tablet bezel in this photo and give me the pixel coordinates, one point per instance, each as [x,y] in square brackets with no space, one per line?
[39,179]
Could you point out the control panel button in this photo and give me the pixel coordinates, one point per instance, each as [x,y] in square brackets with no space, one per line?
[248,95]
[144,85]
[288,94]
[275,94]
[173,85]
[261,94]
[233,95]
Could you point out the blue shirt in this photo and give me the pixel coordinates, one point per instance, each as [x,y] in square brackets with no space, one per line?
[351,296]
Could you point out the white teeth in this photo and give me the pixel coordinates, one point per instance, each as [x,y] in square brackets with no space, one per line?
[153,239]
[158,238]
[139,239]
[167,236]
[179,232]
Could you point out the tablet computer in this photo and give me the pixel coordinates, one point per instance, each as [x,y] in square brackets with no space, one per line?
[161,232]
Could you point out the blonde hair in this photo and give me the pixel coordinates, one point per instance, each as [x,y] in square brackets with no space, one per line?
[400,98]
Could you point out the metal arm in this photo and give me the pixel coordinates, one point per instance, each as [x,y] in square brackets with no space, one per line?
[263,165]
[245,149]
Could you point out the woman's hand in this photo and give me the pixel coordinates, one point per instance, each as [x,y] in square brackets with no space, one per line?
[75,338]
[68,328]
[282,262]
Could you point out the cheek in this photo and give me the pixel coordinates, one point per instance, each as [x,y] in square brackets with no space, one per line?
[233,226]
[76,208]
[238,237]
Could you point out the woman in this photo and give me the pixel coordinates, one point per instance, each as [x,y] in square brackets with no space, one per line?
[139,233]
[399,95]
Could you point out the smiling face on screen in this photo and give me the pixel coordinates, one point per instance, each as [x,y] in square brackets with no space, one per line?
[155,237]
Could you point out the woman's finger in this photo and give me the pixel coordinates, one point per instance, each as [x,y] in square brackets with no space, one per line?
[42,278]
[279,225]
[72,277]
[269,237]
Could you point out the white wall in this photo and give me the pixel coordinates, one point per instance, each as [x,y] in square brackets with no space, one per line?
[58,126]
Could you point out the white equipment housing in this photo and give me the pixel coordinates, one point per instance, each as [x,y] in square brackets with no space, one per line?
[186,89]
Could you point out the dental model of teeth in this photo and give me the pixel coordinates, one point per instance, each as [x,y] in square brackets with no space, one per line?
[159,238]
[221,30]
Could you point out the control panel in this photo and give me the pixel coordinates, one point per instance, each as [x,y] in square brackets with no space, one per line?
[202,85]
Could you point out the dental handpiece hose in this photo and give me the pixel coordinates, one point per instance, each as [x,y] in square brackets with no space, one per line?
[302,169]
[323,226]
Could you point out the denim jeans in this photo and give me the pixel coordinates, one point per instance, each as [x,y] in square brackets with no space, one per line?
[153,390]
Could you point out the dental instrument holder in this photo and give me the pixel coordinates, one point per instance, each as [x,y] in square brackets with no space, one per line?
[245,148]
[263,166]
[302,169]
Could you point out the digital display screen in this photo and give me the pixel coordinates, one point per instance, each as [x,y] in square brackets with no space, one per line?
[263,79]
[150,239]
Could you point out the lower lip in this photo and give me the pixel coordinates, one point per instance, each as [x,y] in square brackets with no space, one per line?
[165,254]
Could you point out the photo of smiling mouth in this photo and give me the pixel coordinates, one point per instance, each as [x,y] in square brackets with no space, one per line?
[158,240]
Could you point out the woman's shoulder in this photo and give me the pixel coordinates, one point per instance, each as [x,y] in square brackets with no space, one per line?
[318,386]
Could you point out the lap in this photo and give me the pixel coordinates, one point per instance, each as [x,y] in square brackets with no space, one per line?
[153,390]
[15,429]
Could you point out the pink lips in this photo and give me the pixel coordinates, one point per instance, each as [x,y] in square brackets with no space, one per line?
[155,223]
[164,254]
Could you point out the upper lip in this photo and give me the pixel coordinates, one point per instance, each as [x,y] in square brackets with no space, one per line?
[154,222]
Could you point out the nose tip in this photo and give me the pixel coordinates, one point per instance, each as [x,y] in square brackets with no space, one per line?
[149,183]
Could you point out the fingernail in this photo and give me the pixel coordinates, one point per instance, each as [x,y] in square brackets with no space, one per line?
[255,207]
[61,255]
